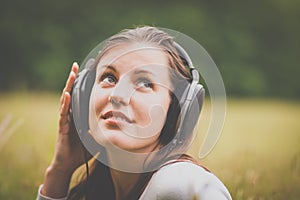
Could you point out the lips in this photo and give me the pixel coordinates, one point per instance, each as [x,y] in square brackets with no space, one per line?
[115,115]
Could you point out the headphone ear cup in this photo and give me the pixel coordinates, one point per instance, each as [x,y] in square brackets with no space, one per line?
[80,107]
[81,96]
[80,100]
[192,114]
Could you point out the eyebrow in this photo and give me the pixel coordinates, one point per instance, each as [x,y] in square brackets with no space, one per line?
[136,71]
[142,71]
[107,67]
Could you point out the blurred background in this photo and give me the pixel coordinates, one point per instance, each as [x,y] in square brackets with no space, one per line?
[255,45]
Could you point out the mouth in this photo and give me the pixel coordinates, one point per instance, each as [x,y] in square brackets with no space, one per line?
[116,116]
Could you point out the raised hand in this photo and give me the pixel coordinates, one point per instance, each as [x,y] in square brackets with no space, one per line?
[69,153]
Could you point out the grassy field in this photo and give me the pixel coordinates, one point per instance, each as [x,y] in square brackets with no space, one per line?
[257,156]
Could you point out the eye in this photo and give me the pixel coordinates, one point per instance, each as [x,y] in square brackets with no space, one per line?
[108,79]
[144,83]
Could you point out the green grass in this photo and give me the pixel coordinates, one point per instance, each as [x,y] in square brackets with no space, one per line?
[257,156]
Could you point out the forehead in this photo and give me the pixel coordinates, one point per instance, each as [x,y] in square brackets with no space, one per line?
[133,56]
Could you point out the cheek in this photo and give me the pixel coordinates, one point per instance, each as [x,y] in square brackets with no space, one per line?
[159,112]
[98,100]
[152,110]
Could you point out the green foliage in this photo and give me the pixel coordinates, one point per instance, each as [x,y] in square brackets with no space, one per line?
[255,44]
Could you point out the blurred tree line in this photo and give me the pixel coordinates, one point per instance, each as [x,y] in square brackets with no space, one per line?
[255,44]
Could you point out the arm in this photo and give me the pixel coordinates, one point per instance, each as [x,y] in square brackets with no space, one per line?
[43,197]
[185,180]
[68,153]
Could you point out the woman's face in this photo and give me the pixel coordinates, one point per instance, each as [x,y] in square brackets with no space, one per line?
[130,98]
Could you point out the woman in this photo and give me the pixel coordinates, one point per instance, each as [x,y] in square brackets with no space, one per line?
[135,118]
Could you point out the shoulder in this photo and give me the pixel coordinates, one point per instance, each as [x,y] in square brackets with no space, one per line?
[185,180]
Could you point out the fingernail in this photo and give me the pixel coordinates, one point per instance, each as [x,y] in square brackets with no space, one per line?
[75,63]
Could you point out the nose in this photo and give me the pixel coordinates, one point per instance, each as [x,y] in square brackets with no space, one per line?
[121,94]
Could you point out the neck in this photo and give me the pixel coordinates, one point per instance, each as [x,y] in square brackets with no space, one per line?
[124,182]
[126,161]
[126,168]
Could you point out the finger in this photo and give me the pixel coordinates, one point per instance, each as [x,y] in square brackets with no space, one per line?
[66,104]
[75,67]
[70,80]
[62,98]
[64,111]
[72,77]
[68,86]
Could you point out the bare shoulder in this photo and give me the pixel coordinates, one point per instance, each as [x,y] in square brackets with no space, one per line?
[185,180]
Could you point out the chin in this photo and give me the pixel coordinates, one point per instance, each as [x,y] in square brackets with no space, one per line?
[116,140]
